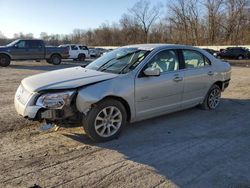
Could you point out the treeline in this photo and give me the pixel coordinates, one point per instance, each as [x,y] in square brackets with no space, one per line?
[194,22]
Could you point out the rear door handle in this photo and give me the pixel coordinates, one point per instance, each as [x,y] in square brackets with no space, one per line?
[178,78]
[210,73]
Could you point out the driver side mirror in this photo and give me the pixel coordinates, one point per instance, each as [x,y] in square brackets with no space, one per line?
[150,71]
[15,46]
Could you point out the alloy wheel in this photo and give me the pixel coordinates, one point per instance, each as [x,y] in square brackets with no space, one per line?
[108,121]
[214,98]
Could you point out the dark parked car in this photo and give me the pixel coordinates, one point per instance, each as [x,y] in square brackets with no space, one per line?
[211,51]
[31,50]
[234,53]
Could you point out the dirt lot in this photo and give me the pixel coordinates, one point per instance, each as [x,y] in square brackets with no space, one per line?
[192,148]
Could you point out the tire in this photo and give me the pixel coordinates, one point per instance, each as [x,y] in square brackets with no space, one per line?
[101,128]
[212,99]
[56,59]
[81,57]
[4,60]
[218,56]
[48,61]
[240,57]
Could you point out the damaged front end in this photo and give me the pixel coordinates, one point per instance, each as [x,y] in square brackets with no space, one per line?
[57,106]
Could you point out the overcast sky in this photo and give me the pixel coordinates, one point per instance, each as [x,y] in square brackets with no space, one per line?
[59,16]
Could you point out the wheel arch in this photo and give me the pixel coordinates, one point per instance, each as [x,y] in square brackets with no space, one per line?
[121,100]
[219,83]
[55,54]
[81,54]
[3,53]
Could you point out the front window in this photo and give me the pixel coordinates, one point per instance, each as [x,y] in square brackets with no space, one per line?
[121,60]
[165,61]
[74,47]
[21,44]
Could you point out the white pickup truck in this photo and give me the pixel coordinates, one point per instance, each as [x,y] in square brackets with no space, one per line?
[77,51]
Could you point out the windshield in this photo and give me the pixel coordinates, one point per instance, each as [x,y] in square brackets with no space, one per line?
[12,43]
[121,60]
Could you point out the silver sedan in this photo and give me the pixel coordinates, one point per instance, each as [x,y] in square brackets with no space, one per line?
[128,84]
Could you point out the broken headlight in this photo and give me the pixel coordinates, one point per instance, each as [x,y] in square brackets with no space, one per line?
[55,100]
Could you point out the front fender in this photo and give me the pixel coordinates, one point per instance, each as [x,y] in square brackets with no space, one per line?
[122,87]
[6,53]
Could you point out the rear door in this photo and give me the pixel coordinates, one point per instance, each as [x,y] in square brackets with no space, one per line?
[155,95]
[198,77]
[35,49]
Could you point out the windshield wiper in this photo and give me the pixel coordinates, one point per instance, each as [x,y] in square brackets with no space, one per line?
[104,64]
[100,68]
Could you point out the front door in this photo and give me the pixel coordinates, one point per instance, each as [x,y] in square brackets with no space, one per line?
[74,51]
[156,95]
[20,50]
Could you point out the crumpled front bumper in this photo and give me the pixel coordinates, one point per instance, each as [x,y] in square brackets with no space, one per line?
[27,109]
[25,106]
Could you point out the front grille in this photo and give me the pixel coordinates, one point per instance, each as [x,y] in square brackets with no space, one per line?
[22,95]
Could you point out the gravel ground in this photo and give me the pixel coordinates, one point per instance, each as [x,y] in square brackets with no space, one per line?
[191,148]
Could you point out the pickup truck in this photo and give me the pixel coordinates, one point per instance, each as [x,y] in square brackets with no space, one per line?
[31,50]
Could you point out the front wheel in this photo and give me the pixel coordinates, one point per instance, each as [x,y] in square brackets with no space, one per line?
[105,120]
[212,99]
[55,59]
[4,60]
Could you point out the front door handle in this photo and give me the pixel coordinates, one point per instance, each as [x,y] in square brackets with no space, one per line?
[178,78]
[210,73]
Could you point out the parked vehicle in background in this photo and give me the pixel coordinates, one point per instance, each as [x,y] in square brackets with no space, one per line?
[107,51]
[129,84]
[211,51]
[101,50]
[94,52]
[77,51]
[32,49]
[234,53]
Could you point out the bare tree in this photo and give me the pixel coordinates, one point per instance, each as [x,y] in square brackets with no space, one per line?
[2,35]
[235,18]
[185,20]
[213,18]
[145,15]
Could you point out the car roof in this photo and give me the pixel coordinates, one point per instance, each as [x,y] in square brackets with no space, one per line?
[152,46]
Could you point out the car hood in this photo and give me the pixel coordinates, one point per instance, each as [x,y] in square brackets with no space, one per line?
[68,78]
[3,47]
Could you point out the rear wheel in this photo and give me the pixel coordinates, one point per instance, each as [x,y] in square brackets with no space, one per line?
[48,61]
[55,59]
[105,120]
[4,60]
[81,57]
[212,99]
